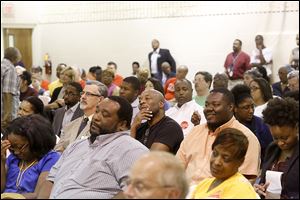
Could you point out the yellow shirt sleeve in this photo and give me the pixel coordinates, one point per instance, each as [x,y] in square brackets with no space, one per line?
[235,187]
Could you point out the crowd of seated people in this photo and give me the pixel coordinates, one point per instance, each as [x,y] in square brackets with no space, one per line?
[150,135]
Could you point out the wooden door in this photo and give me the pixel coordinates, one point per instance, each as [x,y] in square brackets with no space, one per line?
[21,39]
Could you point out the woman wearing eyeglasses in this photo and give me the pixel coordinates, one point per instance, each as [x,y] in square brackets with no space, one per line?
[30,139]
[261,93]
[244,113]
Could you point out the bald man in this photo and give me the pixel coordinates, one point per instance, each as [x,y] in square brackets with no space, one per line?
[166,73]
[169,86]
[158,132]
[157,57]
[160,170]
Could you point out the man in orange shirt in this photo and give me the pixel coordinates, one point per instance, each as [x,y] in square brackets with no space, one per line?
[196,148]
[118,78]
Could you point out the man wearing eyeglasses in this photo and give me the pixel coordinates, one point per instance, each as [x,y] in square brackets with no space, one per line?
[157,175]
[70,111]
[93,93]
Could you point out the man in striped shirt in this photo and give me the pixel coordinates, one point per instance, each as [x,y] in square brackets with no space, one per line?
[97,167]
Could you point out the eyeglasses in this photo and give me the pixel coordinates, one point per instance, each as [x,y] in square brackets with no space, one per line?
[140,187]
[89,94]
[254,88]
[18,149]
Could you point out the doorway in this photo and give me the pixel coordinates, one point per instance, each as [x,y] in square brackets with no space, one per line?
[21,39]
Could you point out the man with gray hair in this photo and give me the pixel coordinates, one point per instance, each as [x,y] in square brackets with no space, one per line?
[10,85]
[93,93]
[159,170]
[293,80]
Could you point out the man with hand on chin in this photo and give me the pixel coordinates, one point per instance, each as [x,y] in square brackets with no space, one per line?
[158,132]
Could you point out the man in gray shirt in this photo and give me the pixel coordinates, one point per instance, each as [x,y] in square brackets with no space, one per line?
[97,167]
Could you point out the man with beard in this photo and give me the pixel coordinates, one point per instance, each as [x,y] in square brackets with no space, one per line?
[195,149]
[93,93]
[236,63]
[97,167]
[158,132]
[71,110]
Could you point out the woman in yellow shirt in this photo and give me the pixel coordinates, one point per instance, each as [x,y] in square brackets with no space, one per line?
[229,150]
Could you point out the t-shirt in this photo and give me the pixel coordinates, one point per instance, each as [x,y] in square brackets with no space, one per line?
[44,84]
[235,187]
[30,176]
[183,115]
[200,100]
[167,131]
[118,80]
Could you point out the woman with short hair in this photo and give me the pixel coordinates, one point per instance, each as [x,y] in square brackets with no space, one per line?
[228,154]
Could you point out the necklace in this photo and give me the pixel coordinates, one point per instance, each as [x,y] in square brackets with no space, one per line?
[22,171]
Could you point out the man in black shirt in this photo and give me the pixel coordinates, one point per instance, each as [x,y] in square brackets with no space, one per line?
[159,132]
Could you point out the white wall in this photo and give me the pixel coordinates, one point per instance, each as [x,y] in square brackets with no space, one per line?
[198,34]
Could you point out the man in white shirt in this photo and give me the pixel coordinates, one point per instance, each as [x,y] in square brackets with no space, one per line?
[261,56]
[185,107]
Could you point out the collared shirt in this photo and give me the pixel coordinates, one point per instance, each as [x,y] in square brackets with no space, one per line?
[97,170]
[239,64]
[164,79]
[69,114]
[183,115]
[135,107]
[155,55]
[195,151]
[10,83]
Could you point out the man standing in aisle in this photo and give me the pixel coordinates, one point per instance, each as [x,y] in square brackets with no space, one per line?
[157,57]
[10,85]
